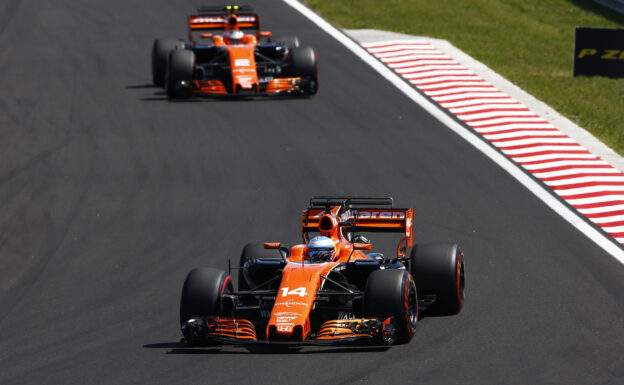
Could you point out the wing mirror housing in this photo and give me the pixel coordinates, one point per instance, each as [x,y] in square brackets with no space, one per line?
[272,245]
[362,246]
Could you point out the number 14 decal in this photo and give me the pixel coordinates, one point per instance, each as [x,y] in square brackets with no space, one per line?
[301,291]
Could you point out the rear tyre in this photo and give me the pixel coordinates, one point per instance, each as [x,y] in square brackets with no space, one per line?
[251,251]
[438,269]
[160,52]
[303,63]
[392,293]
[202,294]
[180,66]
[289,41]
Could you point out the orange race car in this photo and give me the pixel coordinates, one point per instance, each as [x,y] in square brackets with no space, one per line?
[326,290]
[225,56]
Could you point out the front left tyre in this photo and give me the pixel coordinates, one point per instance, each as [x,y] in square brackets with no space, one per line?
[180,67]
[202,294]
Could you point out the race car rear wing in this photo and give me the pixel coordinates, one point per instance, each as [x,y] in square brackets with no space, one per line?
[361,214]
[216,18]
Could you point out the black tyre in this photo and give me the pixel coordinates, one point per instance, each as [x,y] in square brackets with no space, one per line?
[251,251]
[438,269]
[392,293]
[202,293]
[180,66]
[288,41]
[303,63]
[160,52]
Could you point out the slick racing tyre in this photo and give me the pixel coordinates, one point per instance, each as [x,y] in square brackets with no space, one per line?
[180,66]
[202,293]
[251,251]
[392,293]
[303,63]
[160,52]
[438,269]
[289,41]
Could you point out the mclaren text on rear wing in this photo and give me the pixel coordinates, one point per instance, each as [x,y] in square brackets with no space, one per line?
[212,21]
[395,220]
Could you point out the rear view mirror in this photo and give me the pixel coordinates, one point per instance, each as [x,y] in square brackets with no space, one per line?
[205,35]
[272,245]
[265,34]
[362,246]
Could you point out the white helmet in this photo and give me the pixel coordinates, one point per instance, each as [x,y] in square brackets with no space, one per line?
[234,36]
[320,249]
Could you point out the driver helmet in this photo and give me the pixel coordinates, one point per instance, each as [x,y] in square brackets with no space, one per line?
[320,248]
[233,36]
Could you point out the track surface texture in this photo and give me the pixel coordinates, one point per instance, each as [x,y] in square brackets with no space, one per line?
[111,194]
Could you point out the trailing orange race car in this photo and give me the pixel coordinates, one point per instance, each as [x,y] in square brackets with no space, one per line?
[326,290]
[223,58]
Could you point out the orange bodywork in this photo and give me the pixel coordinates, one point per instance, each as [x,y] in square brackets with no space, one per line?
[243,66]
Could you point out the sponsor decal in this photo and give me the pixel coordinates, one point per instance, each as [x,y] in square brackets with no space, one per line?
[285,319]
[345,315]
[291,303]
[599,51]
[207,20]
[381,215]
[285,328]
[242,63]
[246,19]
[287,313]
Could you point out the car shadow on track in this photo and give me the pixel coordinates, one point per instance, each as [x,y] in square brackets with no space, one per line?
[182,348]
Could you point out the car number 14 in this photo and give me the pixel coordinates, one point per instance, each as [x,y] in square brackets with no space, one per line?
[301,291]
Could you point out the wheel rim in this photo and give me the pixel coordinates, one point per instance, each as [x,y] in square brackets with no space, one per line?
[412,305]
[461,283]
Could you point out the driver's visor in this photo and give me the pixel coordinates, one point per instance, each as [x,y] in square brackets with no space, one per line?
[314,251]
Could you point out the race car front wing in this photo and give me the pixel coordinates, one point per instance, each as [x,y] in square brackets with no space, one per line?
[274,87]
[210,330]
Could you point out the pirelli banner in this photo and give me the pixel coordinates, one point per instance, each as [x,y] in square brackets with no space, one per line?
[599,51]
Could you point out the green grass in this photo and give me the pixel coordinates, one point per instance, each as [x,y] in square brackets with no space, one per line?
[529,42]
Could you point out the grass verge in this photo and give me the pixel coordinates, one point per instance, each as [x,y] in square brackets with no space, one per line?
[529,42]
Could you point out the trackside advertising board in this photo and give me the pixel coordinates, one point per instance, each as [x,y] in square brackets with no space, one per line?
[599,51]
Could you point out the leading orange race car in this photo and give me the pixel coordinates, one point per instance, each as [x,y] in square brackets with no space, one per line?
[221,58]
[327,290]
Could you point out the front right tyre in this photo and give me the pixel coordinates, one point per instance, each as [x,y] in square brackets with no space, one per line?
[392,293]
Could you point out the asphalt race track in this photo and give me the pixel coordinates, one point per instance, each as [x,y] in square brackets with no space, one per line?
[110,194]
